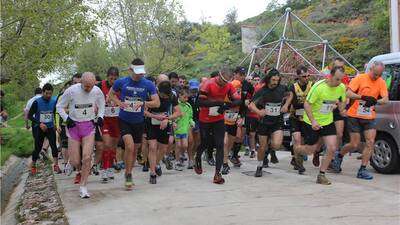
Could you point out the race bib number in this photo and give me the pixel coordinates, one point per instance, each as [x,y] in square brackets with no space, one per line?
[273,109]
[155,121]
[46,117]
[134,104]
[231,116]
[364,111]
[327,107]
[111,111]
[84,111]
[213,111]
[299,112]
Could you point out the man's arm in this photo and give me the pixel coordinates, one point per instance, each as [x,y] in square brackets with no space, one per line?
[100,102]
[32,112]
[61,105]
[176,113]
[285,107]
[383,100]
[350,94]
[254,108]
[154,102]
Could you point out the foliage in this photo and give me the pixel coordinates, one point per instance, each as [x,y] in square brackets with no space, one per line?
[37,36]
[93,56]
[15,141]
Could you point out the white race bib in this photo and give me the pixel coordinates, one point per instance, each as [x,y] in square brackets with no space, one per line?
[273,109]
[213,111]
[134,104]
[231,116]
[46,117]
[364,111]
[327,107]
[111,111]
[299,112]
[84,111]
[155,121]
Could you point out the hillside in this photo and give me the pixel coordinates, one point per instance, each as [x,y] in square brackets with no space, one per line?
[358,29]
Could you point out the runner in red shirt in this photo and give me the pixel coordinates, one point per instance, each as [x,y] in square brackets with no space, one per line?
[212,106]
[110,129]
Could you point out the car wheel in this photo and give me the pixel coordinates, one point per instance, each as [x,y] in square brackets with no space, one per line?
[385,158]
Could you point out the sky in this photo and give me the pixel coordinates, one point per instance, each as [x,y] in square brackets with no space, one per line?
[214,11]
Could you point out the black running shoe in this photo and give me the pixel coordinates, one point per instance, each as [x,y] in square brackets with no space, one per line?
[225,169]
[259,172]
[274,159]
[168,163]
[211,161]
[145,167]
[153,179]
[265,163]
[158,170]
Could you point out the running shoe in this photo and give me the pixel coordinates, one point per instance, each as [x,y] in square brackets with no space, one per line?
[145,167]
[95,169]
[197,167]
[103,176]
[315,160]
[128,182]
[299,159]
[83,192]
[110,173]
[259,172]
[211,161]
[265,162]
[33,170]
[168,163]
[236,162]
[321,179]
[293,163]
[116,167]
[218,179]
[364,174]
[337,163]
[68,169]
[44,156]
[190,165]
[56,169]
[153,179]
[77,179]
[247,151]
[178,166]
[225,169]
[253,154]
[158,170]
[274,159]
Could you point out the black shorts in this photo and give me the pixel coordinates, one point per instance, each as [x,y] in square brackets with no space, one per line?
[357,125]
[97,134]
[231,129]
[251,124]
[268,129]
[336,115]
[297,125]
[63,137]
[135,130]
[155,133]
[311,136]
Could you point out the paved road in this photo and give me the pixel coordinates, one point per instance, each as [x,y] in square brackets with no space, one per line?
[281,197]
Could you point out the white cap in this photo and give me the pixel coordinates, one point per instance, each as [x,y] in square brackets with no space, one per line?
[138,69]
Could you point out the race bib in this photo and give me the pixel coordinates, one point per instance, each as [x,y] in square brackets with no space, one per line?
[299,112]
[273,109]
[327,107]
[231,116]
[362,110]
[134,104]
[111,111]
[213,111]
[46,117]
[155,121]
[84,111]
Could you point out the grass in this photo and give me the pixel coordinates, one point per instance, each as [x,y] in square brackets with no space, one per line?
[16,141]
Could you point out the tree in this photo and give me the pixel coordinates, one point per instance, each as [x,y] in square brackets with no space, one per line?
[231,22]
[93,56]
[38,36]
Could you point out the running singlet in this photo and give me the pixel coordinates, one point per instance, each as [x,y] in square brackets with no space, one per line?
[364,85]
[271,100]
[134,93]
[82,105]
[323,99]
[299,96]
[45,111]
[111,109]
[166,108]
[214,92]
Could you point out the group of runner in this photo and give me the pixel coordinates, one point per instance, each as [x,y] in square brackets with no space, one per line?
[169,119]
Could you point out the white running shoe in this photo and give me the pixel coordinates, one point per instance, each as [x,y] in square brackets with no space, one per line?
[83,192]
[68,169]
[103,176]
[110,173]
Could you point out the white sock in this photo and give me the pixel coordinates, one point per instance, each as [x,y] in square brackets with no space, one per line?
[260,163]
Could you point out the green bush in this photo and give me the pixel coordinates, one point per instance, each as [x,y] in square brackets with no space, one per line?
[16,141]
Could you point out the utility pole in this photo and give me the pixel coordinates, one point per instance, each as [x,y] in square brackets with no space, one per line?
[394,25]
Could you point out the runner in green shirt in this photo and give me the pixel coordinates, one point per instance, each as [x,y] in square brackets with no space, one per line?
[324,96]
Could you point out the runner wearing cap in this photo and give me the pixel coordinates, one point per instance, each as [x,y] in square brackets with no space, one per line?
[134,91]
[110,130]
[41,113]
[212,106]
[82,100]
[366,90]
[194,135]
[320,129]
[270,102]
[159,127]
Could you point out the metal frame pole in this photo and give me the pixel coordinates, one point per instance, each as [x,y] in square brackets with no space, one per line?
[251,61]
[270,30]
[293,49]
[243,60]
[334,50]
[323,57]
[269,54]
[279,54]
[309,28]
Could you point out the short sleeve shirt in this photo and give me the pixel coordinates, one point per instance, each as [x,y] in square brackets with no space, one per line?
[131,90]
[364,85]
[322,98]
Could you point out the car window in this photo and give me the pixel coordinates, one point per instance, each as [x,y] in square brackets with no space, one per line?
[392,77]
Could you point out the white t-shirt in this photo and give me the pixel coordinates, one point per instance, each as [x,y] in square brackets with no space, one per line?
[82,105]
[29,104]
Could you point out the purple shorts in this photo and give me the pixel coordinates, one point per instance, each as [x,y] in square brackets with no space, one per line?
[81,130]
